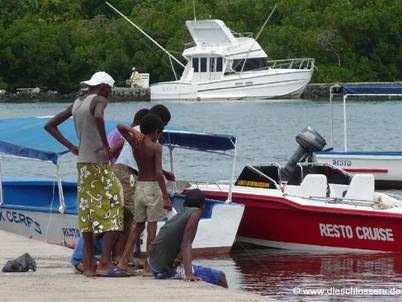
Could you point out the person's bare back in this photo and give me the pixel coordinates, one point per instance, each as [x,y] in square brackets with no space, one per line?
[149,159]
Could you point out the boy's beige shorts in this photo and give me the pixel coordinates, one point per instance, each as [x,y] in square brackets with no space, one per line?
[148,202]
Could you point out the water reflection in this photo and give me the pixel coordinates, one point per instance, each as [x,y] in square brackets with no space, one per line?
[276,273]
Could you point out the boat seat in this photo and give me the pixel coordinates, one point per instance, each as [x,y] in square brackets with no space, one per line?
[361,187]
[313,185]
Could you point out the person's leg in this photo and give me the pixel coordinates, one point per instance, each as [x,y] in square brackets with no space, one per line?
[89,260]
[85,224]
[121,242]
[151,234]
[105,262]
[106,212]
[128,250]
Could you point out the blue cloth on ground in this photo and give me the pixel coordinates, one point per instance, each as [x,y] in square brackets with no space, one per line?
[78,253]
[206,274]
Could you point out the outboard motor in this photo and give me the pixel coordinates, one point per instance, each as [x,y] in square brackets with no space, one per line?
[310,141]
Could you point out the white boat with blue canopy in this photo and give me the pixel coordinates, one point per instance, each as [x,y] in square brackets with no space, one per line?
[385,165]
[45,208]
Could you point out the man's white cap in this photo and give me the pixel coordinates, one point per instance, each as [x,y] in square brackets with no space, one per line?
[98,78]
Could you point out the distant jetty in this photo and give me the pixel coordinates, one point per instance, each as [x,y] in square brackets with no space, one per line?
[321,90]
[136,94]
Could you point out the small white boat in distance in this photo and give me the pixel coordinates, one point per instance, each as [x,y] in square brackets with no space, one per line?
[222,64]
[385,165]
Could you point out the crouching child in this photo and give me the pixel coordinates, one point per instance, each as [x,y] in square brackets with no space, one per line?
[170,254]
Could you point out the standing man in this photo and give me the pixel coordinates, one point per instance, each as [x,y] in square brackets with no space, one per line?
[99,198]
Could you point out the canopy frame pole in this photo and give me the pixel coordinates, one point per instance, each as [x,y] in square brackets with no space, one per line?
[344,123]
[171,148]
[331,113]
[230,193]
[1,183]
[62,206]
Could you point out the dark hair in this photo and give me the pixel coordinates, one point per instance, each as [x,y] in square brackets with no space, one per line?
[162,112]
[195,198]
[150,123]
[140,115]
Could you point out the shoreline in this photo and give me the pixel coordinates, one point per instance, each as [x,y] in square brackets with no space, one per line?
[313,91]
[119,94]
[54,280]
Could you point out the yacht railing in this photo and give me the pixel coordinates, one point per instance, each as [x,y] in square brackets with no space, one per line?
[298,63]
[293,64]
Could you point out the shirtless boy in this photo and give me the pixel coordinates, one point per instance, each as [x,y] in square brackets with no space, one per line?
[151,198]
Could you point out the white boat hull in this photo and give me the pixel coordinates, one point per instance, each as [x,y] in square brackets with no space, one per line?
[215,235]
[385,166]
[275,83]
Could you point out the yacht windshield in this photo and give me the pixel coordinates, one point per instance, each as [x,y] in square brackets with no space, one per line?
[251,64]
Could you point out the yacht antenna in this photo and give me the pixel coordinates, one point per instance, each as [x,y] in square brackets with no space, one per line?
[195,18]
[145,34]
[258,35]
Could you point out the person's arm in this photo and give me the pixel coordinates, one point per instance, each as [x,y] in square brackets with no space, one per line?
[186,245]
[100,125]
[169,175]
[167,204]
[116,149]
[132,136]
[51,127]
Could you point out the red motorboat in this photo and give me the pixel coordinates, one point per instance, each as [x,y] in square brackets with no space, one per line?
[310,206]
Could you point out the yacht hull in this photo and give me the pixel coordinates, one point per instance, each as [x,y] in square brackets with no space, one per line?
[264,85]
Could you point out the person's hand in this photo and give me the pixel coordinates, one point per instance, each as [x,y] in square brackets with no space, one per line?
[169,176]
[74,150]
[191,278]
[167,203]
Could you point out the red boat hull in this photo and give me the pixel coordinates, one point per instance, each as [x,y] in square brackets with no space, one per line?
[282,223]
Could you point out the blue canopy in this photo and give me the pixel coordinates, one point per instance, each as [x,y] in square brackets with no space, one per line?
[26,137]
[388,89]
[196,140]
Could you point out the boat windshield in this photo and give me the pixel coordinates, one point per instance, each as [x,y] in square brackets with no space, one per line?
[251,64]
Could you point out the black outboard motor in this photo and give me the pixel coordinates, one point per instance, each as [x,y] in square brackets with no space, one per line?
[310,141]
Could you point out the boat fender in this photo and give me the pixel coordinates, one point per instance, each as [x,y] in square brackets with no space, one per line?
[384,201]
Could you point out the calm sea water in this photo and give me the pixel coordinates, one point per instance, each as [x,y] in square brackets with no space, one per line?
[266,133]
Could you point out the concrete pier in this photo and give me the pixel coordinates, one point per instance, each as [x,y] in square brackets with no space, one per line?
[55,281]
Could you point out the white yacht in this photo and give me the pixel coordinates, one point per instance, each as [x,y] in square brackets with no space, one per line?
[222,64]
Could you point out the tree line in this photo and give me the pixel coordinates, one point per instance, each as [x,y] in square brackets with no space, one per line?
[54,44]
